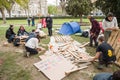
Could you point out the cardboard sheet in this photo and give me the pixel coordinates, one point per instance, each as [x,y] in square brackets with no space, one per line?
[54,67]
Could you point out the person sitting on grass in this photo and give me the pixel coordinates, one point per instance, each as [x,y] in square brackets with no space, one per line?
[31,45]
[32,35]
[41,33]
[104,53]
[22,31]
[107,76]
[10,34]
[39,25]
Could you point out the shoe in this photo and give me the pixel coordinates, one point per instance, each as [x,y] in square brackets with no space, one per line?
[91,45]
[28,54]
[96,44]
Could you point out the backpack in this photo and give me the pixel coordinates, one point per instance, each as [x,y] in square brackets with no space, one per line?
[85,34]
[16,42]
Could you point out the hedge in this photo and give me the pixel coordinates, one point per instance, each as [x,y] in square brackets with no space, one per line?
[56,17]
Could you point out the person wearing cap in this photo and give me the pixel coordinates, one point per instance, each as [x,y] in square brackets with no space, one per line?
[107,76]
[94,31]
[104,53]
[109,24]
[10,34]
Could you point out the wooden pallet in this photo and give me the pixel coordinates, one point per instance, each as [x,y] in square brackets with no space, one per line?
[114,41]
[112,38]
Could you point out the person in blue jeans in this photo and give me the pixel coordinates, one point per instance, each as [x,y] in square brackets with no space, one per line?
[10,34]
[33,21]
[107,76]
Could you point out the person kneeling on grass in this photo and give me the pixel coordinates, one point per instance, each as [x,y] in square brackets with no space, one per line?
[10,34]
[108,76]
[104,53]
[31,45]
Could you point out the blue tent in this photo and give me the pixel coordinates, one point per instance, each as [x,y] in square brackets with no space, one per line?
[70,28]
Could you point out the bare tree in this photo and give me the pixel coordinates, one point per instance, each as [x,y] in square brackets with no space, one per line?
[63,4]
[3,14]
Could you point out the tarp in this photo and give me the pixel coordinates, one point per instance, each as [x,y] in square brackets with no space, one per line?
[70,28]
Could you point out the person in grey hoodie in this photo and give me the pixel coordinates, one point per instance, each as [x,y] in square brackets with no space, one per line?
[109,24]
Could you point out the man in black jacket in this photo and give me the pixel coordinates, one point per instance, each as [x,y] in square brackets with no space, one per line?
[10,35]
[49,23]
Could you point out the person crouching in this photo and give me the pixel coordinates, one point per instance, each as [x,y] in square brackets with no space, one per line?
[104,53]
[31,45]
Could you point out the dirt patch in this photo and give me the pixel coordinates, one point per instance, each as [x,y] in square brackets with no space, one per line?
[27,64]
[1,61]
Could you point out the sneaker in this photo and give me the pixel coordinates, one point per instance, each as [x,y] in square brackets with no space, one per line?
[28,54]
[90,45]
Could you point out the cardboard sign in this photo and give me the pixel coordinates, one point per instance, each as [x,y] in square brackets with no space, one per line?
[54,67]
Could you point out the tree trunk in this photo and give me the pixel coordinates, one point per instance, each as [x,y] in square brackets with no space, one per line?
[80,18]
[3,15]
[25,13]
[9,12]
[62,11]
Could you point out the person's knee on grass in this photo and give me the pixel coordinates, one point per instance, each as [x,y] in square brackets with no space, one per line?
[31,45]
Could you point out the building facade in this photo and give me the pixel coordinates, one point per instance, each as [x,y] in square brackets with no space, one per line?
[35,8]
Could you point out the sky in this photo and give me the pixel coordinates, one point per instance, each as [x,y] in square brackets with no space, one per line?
[53,2]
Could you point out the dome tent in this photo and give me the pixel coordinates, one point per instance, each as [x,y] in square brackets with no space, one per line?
[70,28]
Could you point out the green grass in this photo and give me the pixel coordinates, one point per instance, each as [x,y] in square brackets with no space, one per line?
[55,21]
[10,70]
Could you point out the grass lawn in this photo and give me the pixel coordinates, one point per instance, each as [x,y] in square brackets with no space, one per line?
[55,21]
[10,70]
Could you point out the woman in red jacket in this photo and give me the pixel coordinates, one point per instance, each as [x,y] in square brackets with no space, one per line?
[94,31]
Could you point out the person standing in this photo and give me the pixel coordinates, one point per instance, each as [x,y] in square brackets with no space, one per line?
[43,22]
[33,21]
[10,34]
[94,31]
[28,19]
[109,24]
[49,23]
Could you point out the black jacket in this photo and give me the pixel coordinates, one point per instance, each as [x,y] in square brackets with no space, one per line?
[9,33]
[49,22]
[22,32]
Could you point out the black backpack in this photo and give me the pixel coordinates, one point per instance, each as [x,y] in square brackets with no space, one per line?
[85,34]
[16,42]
